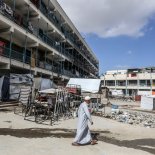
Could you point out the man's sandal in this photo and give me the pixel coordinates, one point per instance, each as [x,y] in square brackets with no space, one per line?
[93,142]
[75,144]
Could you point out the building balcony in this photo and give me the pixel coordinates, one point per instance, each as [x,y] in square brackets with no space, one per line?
[26,25]
[35,31]
[15,55]
[25,59]
[68,73]
[50,15]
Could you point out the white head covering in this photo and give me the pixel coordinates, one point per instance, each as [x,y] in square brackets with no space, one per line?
[87,98]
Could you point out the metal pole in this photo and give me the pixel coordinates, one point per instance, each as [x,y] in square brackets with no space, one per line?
[38,27]
[31,59]
[61,60]
[46,32]
[36,57]
[10,47]
[45,58]
[24,54]
[28,14]
[14,5]
[46,49]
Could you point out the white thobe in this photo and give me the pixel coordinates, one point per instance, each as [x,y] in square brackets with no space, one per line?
[83,135]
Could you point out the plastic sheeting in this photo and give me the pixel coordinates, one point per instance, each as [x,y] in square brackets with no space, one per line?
[87,85]
[48,91]
[144,93]
[116,92]
[5,89]
[42,84]
[17,81]
[21,79]
[14,91]
[45,84]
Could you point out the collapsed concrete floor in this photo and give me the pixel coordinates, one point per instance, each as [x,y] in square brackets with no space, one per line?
[18,136]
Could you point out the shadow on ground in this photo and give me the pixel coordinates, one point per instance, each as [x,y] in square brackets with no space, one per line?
[147,145]
[42,133]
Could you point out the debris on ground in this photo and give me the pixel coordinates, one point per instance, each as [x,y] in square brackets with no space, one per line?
[133,118]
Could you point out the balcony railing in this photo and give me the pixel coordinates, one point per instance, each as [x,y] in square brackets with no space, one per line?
[50,15]
[35,31]
[15,55]
[21,57]
[110,84]
[141,85]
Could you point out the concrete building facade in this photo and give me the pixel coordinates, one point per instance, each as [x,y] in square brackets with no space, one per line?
[37,36]
[130,81]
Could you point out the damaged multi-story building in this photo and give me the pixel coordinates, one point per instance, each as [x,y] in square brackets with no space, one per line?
[131,81]
[37,37]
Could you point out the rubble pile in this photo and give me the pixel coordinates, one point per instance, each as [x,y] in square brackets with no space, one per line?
[133,118]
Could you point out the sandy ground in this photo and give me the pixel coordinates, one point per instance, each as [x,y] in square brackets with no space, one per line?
[19,136]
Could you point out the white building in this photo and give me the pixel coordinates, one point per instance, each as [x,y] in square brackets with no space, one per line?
[132,81]
[37,36]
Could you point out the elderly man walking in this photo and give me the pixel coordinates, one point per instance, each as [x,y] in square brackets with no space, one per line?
[83,135]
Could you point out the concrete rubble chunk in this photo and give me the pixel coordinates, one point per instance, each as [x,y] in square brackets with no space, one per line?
[133,118]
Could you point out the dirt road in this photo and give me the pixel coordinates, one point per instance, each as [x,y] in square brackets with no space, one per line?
[18,136]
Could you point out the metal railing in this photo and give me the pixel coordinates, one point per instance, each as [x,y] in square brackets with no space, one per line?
[15,55]
[21,57]
[50,15]
[46,39]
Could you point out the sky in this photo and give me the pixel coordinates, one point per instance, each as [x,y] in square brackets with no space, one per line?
[121,33]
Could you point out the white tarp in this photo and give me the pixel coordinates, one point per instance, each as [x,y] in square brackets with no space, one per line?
[49,91]
[21,79]
[116,92]
[148,102]
[144,93]
[87,85]
[43,83]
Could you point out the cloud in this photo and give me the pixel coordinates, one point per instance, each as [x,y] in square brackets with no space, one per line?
[122,66]
[129,52]
[110,18]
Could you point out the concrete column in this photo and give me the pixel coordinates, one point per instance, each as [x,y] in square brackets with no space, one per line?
[36,57]
[115,80]
[38,26]
[14,5]
[28,15]
[104,82]
[126,90]
[24,53]
[151,80]
[138,83]
[10,46]
[146,83]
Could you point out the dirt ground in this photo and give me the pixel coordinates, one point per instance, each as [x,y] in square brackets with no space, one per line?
[19,136]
